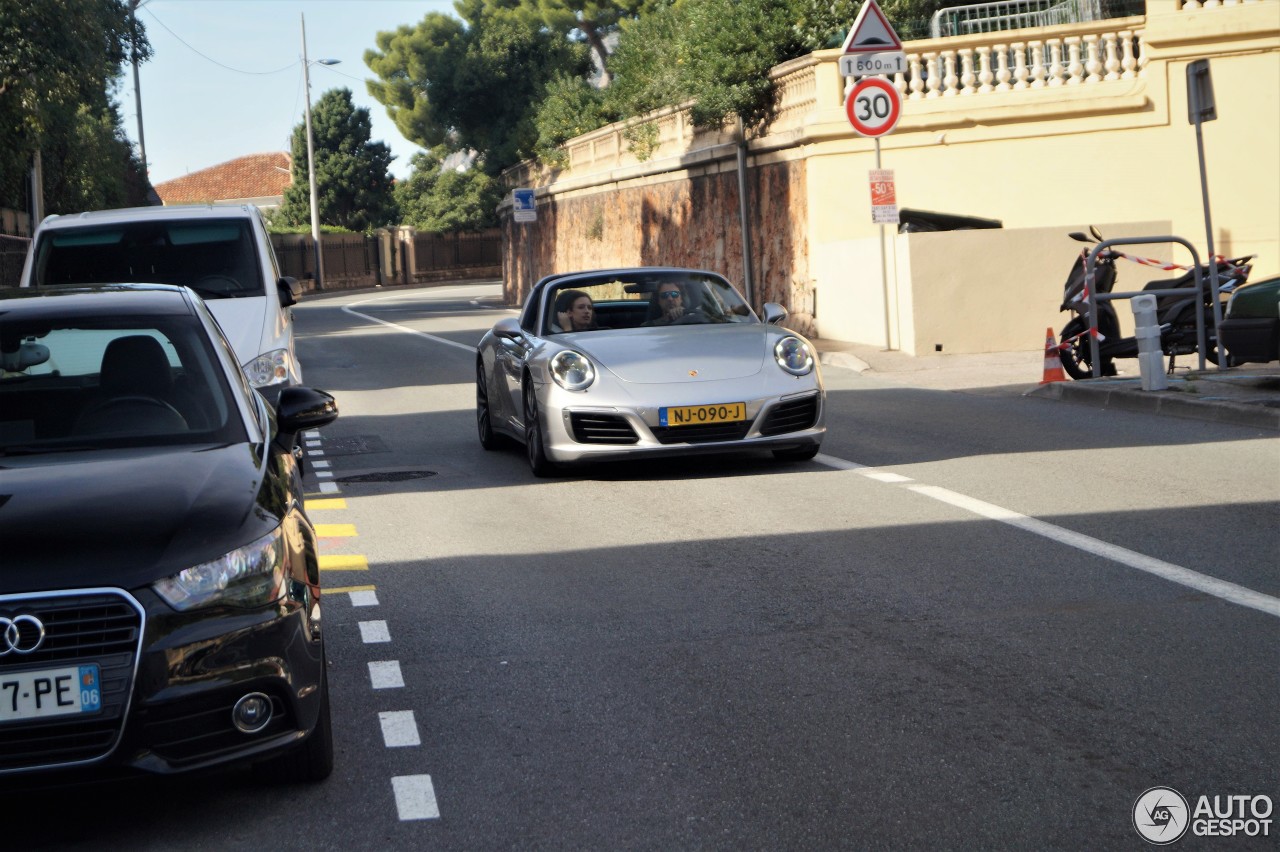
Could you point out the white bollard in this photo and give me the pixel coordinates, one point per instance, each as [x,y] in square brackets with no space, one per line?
[1147,331]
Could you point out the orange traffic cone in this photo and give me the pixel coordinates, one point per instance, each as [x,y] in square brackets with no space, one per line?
[1052,362]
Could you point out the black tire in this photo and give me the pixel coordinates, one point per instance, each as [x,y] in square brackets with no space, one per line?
[1076,356]
[534,447]
[484,420]
[796,454]
[312,761]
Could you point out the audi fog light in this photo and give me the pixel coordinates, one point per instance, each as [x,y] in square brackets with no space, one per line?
[572,370]
[794,356]
[251,713]
[270,368]
[252,575]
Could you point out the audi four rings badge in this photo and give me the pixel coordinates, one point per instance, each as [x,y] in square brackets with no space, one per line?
[18,640]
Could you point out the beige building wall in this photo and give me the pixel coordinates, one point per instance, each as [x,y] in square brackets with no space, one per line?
[1099,136]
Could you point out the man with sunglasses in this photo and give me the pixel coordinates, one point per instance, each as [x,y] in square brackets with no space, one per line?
[671,304]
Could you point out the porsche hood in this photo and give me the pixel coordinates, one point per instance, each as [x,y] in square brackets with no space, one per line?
[683,353]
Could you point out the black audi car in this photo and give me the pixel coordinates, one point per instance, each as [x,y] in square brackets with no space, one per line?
[159,580]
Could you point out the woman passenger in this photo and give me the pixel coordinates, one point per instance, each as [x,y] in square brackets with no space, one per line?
[574,312]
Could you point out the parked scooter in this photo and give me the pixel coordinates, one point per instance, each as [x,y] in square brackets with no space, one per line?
[1176,313]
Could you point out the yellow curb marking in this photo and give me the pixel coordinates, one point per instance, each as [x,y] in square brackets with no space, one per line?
[335,530]
[330,503]
[343,562]
[342,590]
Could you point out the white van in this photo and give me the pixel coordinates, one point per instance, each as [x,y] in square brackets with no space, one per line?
[223,253]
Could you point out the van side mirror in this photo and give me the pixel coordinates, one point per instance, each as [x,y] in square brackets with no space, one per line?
[289,289]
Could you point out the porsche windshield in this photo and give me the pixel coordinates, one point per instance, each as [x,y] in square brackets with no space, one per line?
[647,299]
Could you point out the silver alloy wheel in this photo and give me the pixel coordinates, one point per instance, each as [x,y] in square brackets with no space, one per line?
[538,461]
[484,422]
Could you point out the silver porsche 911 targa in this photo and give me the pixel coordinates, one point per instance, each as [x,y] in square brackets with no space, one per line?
[624,363]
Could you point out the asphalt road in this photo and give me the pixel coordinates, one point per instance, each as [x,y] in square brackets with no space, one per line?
[977,620]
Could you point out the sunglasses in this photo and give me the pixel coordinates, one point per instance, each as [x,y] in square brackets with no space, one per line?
[670,294]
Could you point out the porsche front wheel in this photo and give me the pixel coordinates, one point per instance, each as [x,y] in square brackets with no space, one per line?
[533,441]
[484,420]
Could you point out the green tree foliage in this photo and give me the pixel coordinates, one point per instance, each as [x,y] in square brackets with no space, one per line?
[353,181]
[89,163]
[717,54]
[438,198]
[474,85]
[58,70]
[571,108]
[594,19]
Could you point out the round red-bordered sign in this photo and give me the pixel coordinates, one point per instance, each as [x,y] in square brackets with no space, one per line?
[873,106]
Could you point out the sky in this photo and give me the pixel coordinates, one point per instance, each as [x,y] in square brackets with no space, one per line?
[226,78]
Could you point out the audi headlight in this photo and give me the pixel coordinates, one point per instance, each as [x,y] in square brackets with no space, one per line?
[252,575]
[794,356]
[572,370]
[270,368]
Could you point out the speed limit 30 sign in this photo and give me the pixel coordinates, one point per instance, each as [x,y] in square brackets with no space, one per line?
[873,106]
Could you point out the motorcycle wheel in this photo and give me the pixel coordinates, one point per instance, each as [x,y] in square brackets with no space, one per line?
[1075,354]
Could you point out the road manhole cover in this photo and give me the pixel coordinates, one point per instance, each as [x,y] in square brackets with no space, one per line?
[388,476]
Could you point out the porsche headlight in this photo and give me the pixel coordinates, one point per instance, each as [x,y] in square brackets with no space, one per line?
[269,368]
[252,575]
[794,356]
[572,370]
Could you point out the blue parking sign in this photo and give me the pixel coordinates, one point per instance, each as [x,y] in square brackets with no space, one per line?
[524,205]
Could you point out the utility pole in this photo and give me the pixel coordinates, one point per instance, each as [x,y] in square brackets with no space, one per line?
[311,162]
[137,87]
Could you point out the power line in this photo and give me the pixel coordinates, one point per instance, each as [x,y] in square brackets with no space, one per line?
[214,61]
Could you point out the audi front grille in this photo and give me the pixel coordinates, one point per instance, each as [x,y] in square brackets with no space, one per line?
[102,627]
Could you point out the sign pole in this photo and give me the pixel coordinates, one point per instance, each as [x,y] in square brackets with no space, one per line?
[884,273]
[1201,107]
[874,106]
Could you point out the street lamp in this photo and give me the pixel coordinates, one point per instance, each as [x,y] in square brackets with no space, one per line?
[311,156]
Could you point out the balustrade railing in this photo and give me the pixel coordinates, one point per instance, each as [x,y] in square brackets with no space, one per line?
[962,66]
[1024,64]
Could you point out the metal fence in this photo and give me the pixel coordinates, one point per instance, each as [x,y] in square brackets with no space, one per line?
[346,256]
[457,250]
[1017,14]
[13,253]
[353,259]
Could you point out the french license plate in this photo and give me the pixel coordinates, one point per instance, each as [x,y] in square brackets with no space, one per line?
[697,415]
[50,692]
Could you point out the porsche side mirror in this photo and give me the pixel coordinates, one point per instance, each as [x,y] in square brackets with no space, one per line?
[774,313]
[508,328]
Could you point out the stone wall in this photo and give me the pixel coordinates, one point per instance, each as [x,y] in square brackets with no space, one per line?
[690,221]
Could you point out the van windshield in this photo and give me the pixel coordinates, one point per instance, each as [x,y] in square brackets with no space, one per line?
[214,257]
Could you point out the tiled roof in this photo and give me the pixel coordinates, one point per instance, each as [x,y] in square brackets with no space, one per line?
[252,176]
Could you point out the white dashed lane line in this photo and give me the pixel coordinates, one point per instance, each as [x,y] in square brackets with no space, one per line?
[1220,589]
[415,796]
[374,632]
[399,729]
[385,674]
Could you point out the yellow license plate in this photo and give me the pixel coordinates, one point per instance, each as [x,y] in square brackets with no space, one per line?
[698,415]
